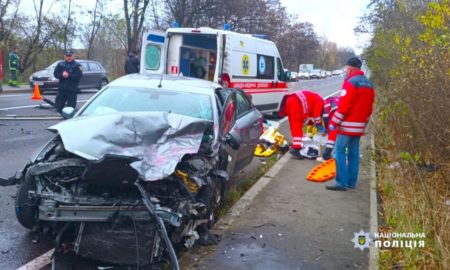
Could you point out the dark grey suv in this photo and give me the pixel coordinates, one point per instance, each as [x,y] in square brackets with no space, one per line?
[94,76]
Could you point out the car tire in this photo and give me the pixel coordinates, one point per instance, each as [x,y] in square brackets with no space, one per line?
[26,208]
[103,83]
[212,197]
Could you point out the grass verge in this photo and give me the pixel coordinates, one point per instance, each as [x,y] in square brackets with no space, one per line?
[414,200]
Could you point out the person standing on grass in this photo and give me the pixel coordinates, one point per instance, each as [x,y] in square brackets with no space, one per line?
[69,73]
[350,120]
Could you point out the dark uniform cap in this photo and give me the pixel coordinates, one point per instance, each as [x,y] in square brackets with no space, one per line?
[354,62]
[68,51]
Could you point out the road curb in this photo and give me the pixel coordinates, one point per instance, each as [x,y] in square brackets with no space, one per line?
[16,91]
[373,251]
[230,217]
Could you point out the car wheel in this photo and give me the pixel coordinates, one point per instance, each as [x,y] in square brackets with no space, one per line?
[26,208]
[212,197]
[103,83]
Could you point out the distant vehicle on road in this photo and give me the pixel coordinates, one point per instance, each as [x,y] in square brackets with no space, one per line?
[337,72]
[304,75]
[305,67]
[94,76]
[316,74]
[294,76]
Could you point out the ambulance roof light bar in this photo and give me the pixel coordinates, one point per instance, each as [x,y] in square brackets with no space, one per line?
[226,27]
[175,24]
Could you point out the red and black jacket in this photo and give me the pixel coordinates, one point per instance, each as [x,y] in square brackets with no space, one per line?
[355,105]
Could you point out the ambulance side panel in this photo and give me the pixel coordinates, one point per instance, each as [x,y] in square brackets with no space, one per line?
[252,66]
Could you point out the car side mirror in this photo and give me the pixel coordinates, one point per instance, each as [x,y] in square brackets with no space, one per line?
[67,112]
[233,139]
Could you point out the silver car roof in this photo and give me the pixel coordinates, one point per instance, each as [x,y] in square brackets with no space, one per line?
[168,82]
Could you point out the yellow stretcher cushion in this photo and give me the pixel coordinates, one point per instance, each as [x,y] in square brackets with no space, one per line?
[323,172]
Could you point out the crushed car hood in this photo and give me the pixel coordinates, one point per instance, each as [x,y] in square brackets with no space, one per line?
[158,139]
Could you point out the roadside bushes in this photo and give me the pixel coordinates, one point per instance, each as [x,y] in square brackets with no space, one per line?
[409,59]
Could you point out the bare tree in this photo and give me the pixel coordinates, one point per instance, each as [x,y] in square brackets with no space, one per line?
[134,19]
[7,24]
[67,24]
[35,41]
[97,16]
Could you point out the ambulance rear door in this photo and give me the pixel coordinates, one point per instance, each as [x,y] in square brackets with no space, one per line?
[154,52]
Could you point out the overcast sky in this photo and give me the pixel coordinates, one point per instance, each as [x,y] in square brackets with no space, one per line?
[334,19]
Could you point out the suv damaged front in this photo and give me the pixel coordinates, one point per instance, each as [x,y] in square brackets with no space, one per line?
[124,188]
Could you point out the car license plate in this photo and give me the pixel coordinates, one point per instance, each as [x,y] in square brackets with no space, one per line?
[40,83]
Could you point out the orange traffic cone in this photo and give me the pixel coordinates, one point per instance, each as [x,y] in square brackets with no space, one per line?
[36,93]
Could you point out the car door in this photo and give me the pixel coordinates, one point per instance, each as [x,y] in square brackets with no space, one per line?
[249,127]
[97,74]
[86,78]
[153,53]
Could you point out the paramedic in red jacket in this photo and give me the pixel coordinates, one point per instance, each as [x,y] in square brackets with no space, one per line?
[350,120]
[300,106]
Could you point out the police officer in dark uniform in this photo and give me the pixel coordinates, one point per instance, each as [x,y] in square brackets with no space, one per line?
[69,74]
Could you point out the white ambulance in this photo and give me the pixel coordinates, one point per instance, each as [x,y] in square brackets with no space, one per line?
[234,60]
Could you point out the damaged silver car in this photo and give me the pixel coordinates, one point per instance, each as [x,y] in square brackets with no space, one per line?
[141,168]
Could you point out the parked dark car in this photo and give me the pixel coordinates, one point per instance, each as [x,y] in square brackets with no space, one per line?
[142,166]
[94,76]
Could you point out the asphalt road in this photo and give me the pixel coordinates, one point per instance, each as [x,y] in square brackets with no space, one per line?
[19,139]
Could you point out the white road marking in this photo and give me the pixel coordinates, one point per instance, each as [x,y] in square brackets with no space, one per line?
[38,263]
[17,95]
[29,106]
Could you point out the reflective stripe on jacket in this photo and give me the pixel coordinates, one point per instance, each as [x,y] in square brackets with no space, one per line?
[311,104]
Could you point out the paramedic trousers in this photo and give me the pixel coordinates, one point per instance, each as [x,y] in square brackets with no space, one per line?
[347,160]
[295,116]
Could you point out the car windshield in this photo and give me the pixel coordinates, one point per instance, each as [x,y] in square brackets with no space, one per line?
[131,99]
[52,66]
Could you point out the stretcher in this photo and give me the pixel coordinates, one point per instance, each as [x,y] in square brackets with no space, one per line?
[323,172]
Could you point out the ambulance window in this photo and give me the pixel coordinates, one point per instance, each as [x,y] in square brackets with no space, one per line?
[280,70]
[243,104]
[266,65]
[152,57]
